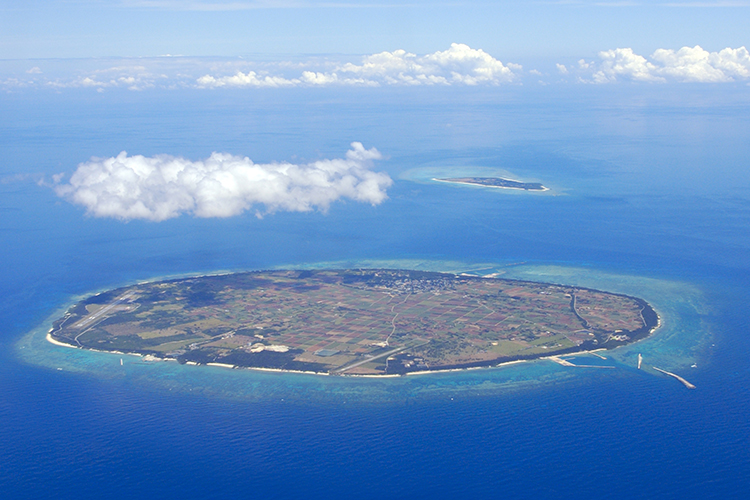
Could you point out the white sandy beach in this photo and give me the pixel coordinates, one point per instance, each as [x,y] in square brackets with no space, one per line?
[57,342]
[544,188]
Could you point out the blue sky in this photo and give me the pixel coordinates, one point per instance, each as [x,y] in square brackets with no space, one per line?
[211,46]
[138,45]
[519,30]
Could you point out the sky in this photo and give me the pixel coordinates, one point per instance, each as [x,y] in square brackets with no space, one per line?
[214,46]
[199,35]
[31,29]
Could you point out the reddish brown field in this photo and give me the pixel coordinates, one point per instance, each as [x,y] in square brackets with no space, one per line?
[371,321]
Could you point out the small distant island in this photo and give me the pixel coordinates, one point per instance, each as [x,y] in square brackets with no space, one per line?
[352,321]
[496,182]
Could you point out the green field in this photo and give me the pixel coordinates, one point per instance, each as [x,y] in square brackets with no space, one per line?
[373,321]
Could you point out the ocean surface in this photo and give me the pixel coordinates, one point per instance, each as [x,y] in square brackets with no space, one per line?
[650,196]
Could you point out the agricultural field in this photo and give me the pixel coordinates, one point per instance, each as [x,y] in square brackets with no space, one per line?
[347,322]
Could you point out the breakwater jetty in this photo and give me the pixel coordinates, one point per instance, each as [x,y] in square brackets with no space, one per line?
[685,382]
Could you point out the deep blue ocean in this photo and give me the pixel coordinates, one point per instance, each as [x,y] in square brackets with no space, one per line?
[650,196]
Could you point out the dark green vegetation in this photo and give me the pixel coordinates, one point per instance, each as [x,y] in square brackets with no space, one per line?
[498,182]
[374,321]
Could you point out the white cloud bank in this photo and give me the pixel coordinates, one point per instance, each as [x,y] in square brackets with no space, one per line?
[162,187]
[460,64]
[688,64]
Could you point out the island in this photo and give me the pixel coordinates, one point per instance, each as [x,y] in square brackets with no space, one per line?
[496,182]
[352,321]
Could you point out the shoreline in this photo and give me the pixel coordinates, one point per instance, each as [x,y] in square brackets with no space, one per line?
[544,188]
[153,357]
[157,359]
[61,344]
[553,358]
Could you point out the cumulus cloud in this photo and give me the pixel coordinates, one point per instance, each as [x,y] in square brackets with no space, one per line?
[460,64]
[698,65]
[249,79]
[162,187]
[128,76]
[624,62]
[688,64]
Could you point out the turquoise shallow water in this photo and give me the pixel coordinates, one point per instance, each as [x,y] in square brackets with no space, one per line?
[677,344]
[638,213]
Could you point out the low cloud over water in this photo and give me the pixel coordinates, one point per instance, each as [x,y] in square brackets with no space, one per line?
[162,187]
